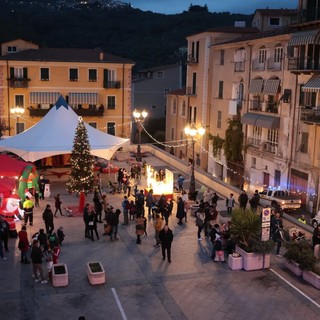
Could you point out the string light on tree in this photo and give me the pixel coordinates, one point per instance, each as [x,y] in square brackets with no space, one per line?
[81,177]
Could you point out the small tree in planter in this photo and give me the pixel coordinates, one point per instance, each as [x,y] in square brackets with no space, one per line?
[246,234]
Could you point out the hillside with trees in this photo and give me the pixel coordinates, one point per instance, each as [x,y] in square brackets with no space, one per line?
[148,38]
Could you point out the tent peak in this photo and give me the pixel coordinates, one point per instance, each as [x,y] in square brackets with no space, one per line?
[61,102]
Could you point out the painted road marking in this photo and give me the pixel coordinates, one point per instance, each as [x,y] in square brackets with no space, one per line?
[124,317]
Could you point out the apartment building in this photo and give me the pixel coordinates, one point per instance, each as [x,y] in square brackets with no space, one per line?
[96,84]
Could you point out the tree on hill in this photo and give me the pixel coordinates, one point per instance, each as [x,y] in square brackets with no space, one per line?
[81,176]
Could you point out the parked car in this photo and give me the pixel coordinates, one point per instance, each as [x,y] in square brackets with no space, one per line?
[279,199]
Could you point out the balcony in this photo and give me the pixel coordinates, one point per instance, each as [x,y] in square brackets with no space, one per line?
[18,82]
[191,59]
[254,142]
[310,114]
[191,91]
[268,146]
[111,84]
[239,66]
[98,112]
[257,65]
[305,65]
[274,65]
[256,105]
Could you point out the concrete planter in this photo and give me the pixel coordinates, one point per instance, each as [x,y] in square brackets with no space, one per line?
[60,276]
[96,273]
[293,267]
[253,260]
[235,263]
[311,278]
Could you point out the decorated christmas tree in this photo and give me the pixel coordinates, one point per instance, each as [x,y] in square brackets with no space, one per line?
[81,176]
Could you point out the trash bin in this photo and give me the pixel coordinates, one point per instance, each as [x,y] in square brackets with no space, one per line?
[47,191]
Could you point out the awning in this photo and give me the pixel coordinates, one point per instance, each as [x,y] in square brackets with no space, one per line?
[44,97]
[263,121]
[305,37]
[255,86]
[313,85]
[271,87]
[83,98]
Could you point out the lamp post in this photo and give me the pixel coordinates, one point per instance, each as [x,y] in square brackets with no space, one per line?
[17,112]
[192,132]
[139,118]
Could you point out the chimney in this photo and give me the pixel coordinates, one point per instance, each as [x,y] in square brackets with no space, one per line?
[101,56]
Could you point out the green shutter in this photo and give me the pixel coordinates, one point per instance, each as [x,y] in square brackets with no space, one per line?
[105,78]
[25,73]
[11,72]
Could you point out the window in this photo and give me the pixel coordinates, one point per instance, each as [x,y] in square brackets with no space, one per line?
[12,49]
[44,74]
[183,109]
[221,57]
[253,162]
[160,74]
[272,140]
[19,127]
[166,90]
[304,142]
[93,75]
[111,102]
[189,115]
[19,100]
[220,93]
[73,74]
[219,118]
[277,178]
[194,114]
[256,135]
[111,128]
[174,106]
[262,54]
[172,134]
[278,54]
[194,83]
[18,73]
[274,21]
[93,124]
[307,99]
[111,75]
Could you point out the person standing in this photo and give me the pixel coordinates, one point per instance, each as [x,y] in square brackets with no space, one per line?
[93,225]
[36,258]
[97,206]
[60,235]
[157,228]
[255,201]
[140,203]
[57,204]
[139,228]
[243,200]
[200,218]
[125,208]
[180,182]
[166,238]
[28,211]
[55,254]
[86,220]
[114,221]
[180,211]
[230,203]
[150,202]
[4,232]
[23,244]
[47,217]
[214,199]
[42,184]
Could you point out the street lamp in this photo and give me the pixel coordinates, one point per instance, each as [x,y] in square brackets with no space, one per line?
[17,112]
[139,118]
[192,132]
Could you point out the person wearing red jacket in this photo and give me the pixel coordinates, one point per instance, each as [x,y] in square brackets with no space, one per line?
[55,254]
[23,244]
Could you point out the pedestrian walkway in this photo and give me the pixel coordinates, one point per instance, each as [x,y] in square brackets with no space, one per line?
[140,285]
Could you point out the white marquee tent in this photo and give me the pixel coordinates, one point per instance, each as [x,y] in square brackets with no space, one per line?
[54,135]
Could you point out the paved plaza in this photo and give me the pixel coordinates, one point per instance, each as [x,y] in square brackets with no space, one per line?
[139,284]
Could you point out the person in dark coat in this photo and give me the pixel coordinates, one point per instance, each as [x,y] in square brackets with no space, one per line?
[42,183]
[180,211]
[93,225]
[243,200]
[97,206]
[47,217]
[86,220]
[43,239]
[5,230]
[36,258]
[166,238]
[57,204]
[254,201]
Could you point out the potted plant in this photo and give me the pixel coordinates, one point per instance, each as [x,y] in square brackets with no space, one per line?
[246,234]
[60,276]
[96,273]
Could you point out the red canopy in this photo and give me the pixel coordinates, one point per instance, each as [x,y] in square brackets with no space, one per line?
[7,185]
[11,167]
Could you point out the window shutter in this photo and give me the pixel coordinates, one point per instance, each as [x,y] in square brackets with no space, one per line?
[11,72]
[105,78]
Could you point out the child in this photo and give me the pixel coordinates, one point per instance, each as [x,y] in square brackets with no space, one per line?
[49,264]
[60,235]
[219,251]
[55,254]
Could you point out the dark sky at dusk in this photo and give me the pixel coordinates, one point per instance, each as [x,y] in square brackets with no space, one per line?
[233,6]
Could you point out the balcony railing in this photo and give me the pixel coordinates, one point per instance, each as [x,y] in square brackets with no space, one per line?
[191,91]
[80,112]
[111,84]
[306,64]
[310,114]
[239,66]
[255,142]
[191,59]
[269,146]
[255,105]
[274,65]
[258,66]
[19,82]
